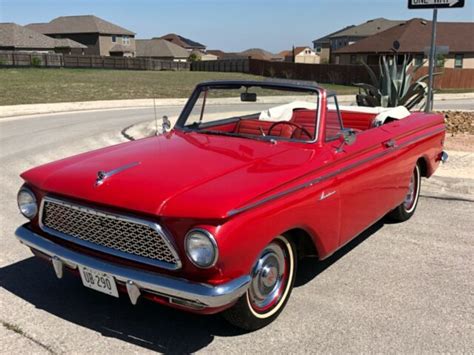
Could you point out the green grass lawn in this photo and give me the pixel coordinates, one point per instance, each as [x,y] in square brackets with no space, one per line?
[34,85]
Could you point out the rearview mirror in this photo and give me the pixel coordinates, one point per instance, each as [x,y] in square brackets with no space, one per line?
[248,97]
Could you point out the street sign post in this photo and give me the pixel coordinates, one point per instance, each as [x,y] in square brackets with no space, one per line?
[435,5]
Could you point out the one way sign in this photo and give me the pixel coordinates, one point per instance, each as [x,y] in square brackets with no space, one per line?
[435,4]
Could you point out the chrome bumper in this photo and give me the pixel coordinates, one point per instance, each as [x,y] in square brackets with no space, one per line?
[179,291]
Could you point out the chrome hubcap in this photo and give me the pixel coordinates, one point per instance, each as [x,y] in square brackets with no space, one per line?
[269,277]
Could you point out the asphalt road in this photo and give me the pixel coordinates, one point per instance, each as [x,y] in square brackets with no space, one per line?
[397,288]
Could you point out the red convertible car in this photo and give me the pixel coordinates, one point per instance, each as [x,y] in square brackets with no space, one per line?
[214,214]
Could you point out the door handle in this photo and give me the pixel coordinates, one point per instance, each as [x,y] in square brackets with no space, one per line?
[390,143]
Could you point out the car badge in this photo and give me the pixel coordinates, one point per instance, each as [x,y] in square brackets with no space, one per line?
[104,175]
[326,195]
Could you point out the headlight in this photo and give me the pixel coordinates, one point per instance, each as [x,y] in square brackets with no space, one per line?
[27,203]
[201,248]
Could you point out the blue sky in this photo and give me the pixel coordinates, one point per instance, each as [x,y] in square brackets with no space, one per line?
[230,25]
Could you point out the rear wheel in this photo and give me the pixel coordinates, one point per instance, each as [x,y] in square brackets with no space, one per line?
[270,288]
[407,208]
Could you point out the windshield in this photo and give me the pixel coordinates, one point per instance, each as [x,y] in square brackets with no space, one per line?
[254,112]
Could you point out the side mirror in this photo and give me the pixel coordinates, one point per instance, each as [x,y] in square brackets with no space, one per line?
[166,125]
[346,137]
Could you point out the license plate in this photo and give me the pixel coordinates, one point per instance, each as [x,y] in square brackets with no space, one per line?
[98,280]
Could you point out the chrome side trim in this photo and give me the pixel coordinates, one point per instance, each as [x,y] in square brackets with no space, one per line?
[195,294]
[100,248]
[310,183]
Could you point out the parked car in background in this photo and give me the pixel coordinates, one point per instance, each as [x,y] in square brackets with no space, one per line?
[214,215]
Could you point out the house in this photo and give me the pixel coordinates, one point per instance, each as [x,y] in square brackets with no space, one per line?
[18,38]
[184,42]
[68,46]
[352,34]
[217,52]
[161,49]
[300,55]
[100,36]
[322,46]
[204,56]
[413,38]
[257,53]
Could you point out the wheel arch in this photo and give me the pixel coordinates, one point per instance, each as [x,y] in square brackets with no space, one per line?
[424,166]
[303,241]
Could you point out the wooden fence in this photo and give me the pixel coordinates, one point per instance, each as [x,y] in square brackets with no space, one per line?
[451,78]
[225,65]
[19,59]
[329,73]
[56,60]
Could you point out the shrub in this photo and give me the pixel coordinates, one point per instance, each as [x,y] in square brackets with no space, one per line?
[36,61]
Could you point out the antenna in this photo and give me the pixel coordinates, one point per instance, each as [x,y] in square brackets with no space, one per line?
[156,118]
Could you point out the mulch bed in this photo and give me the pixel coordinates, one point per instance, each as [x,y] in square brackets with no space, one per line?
[459,121]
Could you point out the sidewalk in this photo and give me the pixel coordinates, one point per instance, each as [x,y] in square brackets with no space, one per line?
[37,109]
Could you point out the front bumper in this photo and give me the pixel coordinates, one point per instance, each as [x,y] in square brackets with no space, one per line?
[178,291]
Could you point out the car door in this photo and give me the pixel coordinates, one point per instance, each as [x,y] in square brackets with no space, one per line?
[364,169]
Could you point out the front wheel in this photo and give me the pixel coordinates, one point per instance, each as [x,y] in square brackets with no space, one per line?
[273,277]
[407,208]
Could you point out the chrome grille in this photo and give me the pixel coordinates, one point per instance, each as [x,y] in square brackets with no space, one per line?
[125,237]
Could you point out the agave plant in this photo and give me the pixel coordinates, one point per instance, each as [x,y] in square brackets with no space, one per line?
[395,86]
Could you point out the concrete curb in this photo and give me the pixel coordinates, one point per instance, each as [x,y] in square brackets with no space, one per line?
[38,109]
[63,107]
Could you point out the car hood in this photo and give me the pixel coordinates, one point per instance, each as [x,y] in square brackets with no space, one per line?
[177,175]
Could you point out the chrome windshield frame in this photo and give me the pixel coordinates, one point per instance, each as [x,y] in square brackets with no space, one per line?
[276,85]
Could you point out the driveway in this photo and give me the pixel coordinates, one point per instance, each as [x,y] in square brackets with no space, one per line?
[396,288]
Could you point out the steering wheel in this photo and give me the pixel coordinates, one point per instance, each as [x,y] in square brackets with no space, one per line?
[302,129]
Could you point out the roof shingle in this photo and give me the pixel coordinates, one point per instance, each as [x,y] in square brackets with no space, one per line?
[79,24]
[183,41]
[368,28]
[16,36]
[157,47]
[414,36]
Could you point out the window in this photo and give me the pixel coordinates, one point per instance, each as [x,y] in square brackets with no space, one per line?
[333,119]
[114,39]
[458,59]
[126,40]
[318,49]
[419,60]
[353,59]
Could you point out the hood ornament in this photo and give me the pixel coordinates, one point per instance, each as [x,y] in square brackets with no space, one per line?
[104,175]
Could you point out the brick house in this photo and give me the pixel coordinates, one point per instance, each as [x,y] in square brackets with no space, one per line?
[100,36]
[414,37]
[326,45]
